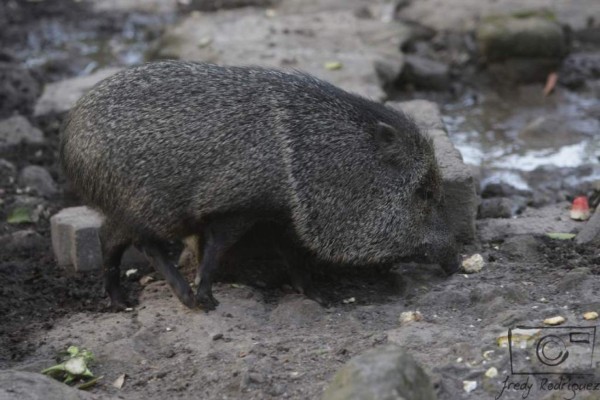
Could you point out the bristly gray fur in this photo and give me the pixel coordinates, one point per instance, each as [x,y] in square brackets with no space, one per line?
[164,146]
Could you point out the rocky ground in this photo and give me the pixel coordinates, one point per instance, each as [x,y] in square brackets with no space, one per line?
[264,341]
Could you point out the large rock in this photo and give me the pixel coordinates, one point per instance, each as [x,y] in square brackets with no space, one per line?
[31,386]
[549,219]
[459,185]
[16,130]
[591,229]
[59,97]
[384,373]
[521,49]
[18,90]
[504,37]
[463,15]
[39,180]
[425,73]
[362,54]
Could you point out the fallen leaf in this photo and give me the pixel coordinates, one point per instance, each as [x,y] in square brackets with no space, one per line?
[333,65]
[550,83]
[19,215]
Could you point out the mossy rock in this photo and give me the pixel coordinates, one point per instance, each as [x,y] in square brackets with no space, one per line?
[524,36]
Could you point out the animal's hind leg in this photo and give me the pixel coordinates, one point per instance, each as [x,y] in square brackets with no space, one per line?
[156,253]
[114,242]
[220,234]
[296,261]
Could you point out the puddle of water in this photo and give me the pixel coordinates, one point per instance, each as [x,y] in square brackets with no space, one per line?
[522,130]
[125,42]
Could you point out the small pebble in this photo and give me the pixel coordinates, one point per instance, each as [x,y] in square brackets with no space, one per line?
[473,264]
[492,372]
[554,320]
[469,386]
[590,316]
[130,272]
[349,300]
[217,336]
[146,279]
[410,316]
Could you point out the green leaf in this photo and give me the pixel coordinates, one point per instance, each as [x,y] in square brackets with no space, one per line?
[561,235]
[333,65]
[19,215]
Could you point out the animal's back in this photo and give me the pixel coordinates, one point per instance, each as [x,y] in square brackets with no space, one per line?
[165,142]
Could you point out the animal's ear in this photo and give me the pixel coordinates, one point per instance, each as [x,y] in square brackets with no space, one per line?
[385,135]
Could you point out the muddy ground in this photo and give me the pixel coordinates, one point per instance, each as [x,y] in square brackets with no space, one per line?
[265,341]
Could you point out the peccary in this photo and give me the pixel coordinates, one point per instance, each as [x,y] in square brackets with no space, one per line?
[172,150]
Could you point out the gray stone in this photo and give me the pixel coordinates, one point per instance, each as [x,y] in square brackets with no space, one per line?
[579,68]
[22,241]
[18,90]
[591,230]
[459,185]
[59,97]
[464,15]
[296,310]
[522,248]
[366,52]
[383,10]
[573,279]
[496,207]
[384,373]
[149,6]
[75,238]
[425,73]
[76,243]
[38,180]
[536,36]
[16,130]
[31,386]
[548,219]
[8,172]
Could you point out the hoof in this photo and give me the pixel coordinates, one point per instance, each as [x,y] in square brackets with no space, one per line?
[206,301]
[117,301]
